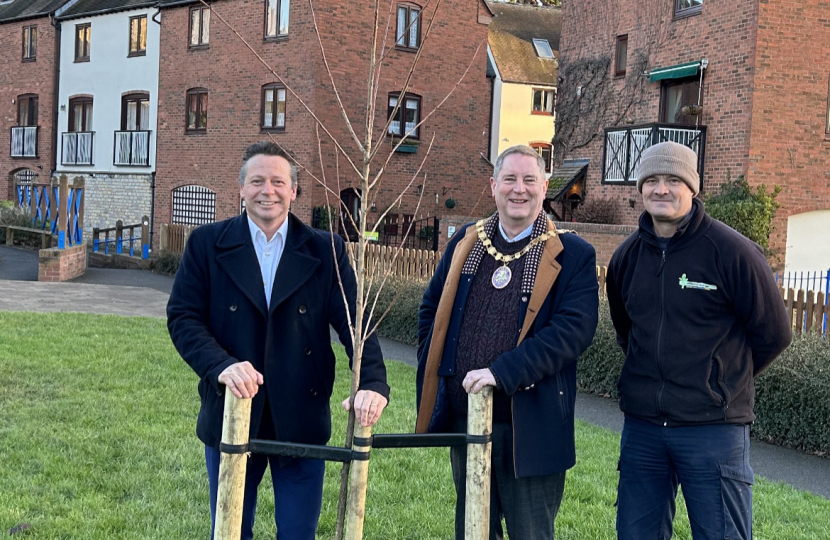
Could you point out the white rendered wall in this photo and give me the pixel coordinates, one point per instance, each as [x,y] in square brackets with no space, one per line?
[107,76]
[808,242]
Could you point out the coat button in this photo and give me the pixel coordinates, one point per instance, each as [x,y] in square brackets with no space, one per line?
[307,351]
[302,310]
[313,392]
[233,307]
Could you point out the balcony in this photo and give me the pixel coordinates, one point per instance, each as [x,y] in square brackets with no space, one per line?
[24,142]
[77,148]
[132,148]
[624,146]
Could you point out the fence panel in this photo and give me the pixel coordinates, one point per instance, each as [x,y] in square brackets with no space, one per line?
[806,310]
[174,236]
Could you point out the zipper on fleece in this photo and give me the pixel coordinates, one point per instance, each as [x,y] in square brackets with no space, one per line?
[660,335]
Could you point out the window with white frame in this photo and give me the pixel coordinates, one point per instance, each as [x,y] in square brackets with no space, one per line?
[543,49]
[406,117]
[276,18]
[408,34]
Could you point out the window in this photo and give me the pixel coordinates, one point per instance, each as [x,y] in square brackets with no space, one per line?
[621,57]
[27,110]
[273,106]
[82,35]
[29,43]
[199,26]
[544,150]
[543,101]
[80,114]
[410,111]
[135,112]
[197,103]
[409,26]
[674,95]
[276,18]
[138,35]
[543,49]
[687,7]
[193,205]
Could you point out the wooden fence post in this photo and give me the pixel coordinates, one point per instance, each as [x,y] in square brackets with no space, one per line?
[358,482]
[63,210]
[119,236]
[145,237]
[477,502]
[232,468]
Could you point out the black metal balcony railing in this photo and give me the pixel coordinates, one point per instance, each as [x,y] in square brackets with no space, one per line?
[24,141]
[624,146]
[132,148]
[76,148]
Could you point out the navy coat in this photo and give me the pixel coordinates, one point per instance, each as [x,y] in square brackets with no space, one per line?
[217,315]
[558,322]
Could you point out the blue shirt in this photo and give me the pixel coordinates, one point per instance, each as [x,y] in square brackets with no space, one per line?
[268,253]
[521,236]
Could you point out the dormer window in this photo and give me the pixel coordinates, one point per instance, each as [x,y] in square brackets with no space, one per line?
[543,49]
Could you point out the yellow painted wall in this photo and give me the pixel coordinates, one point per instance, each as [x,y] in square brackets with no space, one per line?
[516,123]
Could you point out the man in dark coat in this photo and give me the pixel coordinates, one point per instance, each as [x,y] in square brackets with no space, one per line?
[250,312]
[698,316]
[512,304]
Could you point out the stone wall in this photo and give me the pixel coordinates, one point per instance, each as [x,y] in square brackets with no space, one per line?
[110,197]
[55,264]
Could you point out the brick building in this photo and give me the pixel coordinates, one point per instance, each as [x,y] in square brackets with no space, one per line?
[29,55]
[745,84]
[216,97]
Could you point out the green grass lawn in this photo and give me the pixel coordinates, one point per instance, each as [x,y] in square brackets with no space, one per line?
[97,441]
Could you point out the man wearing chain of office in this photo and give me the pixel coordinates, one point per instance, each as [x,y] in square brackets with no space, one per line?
[512,304]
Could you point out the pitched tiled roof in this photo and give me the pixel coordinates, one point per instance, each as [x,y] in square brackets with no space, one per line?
[511,36]
[561,180]
[27,9]
[97,7]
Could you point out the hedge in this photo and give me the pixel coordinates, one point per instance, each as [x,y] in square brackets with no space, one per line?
[792,401]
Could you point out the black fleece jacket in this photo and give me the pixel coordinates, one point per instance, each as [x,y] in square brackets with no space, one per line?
[697,321]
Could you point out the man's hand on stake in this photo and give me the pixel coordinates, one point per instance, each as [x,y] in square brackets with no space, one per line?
[367,407]
[242,379]
[477,379]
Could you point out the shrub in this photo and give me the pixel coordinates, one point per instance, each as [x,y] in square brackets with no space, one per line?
[598,210]
[167,262]
[322,216]
[748,212]
[401,323]
[9,215]
[600,365]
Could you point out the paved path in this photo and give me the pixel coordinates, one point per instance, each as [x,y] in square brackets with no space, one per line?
[140,293]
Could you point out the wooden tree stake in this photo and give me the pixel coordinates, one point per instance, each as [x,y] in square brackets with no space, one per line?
[477,503]
[358,482]
[232,469]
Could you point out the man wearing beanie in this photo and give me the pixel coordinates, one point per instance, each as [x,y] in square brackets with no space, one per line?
[512,304]
[698,315]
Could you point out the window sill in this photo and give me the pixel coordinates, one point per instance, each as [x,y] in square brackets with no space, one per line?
[619,75]
[409,146]
[137,53]
[630,183]
[405,48]
[272,129]
[275,39]
[195,131]
[28,60]
[541,113]
[82,59]
[200,47]
[691,12]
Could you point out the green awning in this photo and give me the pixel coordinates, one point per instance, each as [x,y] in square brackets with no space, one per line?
[674,72]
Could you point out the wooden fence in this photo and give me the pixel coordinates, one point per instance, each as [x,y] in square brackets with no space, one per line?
[806,310]
[174,237]
[399,262]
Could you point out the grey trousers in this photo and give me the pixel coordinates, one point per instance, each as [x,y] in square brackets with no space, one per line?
[528,505]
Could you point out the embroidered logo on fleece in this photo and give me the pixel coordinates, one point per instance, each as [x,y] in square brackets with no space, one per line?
[686,284]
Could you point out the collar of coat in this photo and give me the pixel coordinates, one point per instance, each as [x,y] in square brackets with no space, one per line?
[546,275]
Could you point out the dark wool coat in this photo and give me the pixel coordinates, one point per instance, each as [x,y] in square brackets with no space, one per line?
[557,324]
[217,315]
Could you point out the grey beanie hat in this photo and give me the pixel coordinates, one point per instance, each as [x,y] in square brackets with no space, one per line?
[669,158]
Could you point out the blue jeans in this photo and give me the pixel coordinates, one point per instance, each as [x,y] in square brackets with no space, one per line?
[711,463]
[298,494]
